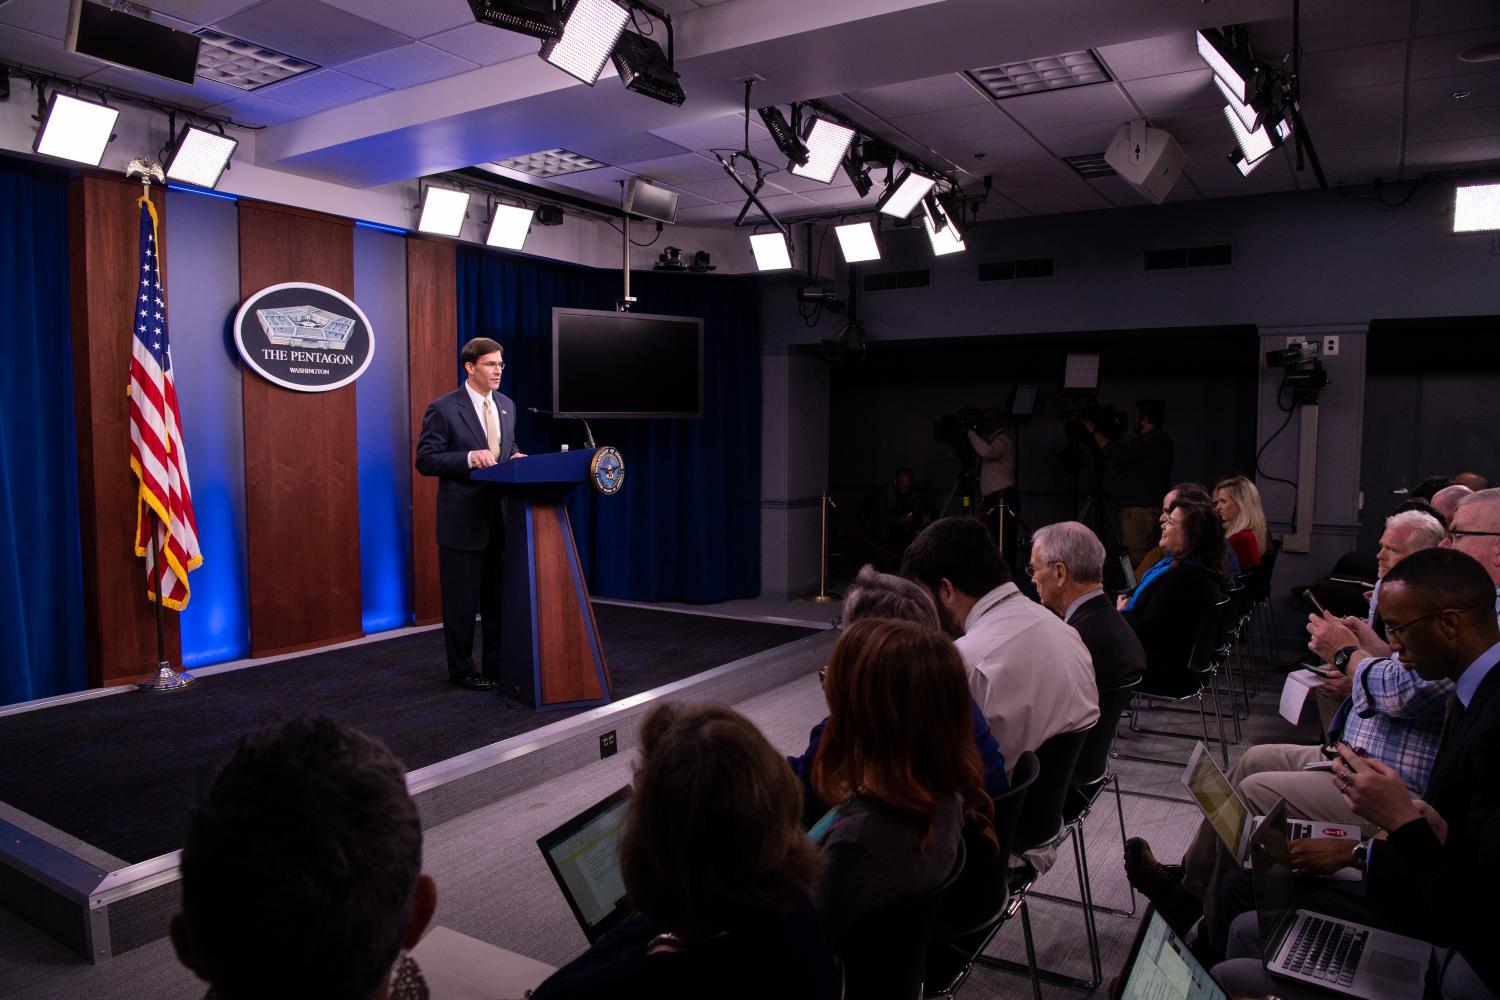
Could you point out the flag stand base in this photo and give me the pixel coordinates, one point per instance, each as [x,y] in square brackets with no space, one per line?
[167,679]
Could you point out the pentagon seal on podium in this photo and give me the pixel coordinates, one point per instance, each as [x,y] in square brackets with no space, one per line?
[607,471]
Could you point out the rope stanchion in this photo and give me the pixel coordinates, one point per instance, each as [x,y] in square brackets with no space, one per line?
[823,596]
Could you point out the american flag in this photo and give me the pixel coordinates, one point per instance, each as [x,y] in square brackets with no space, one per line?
[156,453]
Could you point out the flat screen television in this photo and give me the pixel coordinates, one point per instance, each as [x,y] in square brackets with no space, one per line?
[616,364]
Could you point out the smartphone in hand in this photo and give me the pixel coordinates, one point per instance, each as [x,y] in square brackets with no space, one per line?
[1313,600]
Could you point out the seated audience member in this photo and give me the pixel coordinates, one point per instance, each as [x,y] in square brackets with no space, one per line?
[1067,566]
[1472,480]
[1030,673]
[1435,873]
[1445,501]
[883,595]
[898,759]
[302,871]
[1389,711]
[1168,605]
[900,512]
[1185,491]
[718,871]
[1475,531]
[1237,502]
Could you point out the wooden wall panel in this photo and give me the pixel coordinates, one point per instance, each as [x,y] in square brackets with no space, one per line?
[119,622]
[301,454]
[431,329]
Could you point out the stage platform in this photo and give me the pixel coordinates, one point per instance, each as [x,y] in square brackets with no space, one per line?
[96,789]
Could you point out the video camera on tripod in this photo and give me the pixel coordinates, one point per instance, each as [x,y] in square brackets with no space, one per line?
[952,429]
[1107,419]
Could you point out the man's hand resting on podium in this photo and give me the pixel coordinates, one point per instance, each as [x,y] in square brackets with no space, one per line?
[481,458]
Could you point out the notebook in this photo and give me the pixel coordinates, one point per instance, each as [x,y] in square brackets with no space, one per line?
[584,856]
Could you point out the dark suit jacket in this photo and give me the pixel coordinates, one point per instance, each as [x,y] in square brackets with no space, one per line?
[1449,890]
[469,514]
[1166,619]
[1116,651]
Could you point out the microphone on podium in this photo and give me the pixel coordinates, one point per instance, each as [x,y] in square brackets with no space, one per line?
[588,435]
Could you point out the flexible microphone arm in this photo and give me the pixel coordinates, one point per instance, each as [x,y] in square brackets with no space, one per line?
[588,435]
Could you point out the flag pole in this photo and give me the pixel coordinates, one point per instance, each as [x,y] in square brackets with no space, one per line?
[166,678]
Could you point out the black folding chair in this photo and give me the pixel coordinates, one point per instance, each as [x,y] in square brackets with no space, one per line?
[884,952]
[1201,670]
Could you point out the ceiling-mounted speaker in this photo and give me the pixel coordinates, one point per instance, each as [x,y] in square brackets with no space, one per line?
[1148,158]
[645,198]
[93,29]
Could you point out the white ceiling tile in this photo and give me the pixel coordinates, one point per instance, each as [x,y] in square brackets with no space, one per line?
[1356,105]
[311,30]
[978,122]
[1360,166]
[1382,131]
[843,197]
[416,18]
[1059,196]
[1078,106]
[1345,69]
[804,185]
[1076,140]
[1120,192]
[483,44]
[1200,125]
[41,17]
[200,12]
[321,89]
[407,66]
[709,214]
[1176,92]
[678,169]
[934,93]
[1332,24]
[1215,177]
[201,95]
[1437,55]
[1437,16]
[622,149]
[1460,153]
[255,110]
[722,132]
[1159,56]
[1475,123]
[40,52]
[724,190]
[982,156]
[1436,95]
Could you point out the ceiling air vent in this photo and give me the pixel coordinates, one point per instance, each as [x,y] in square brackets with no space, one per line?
[1181,257]
[235,62]
[889,280]
[1090,165]
[550,163]
[1011,270]
[1031,76]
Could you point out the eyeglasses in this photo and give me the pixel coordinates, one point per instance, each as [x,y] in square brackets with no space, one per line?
[1031,571]
[1456,533]
[1394,631]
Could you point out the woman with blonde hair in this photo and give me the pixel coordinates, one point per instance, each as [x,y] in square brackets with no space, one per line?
[1237,502]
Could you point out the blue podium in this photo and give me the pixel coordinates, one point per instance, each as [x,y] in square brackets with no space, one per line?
[550,651]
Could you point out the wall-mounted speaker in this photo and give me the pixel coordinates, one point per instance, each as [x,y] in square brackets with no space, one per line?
[1148,158]
[644,198]
[134,42]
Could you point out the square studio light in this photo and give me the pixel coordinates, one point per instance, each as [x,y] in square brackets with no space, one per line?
[443,212]
[508,227]
[1476,208]
[1081,372]
[200,157]
[1254,144]
[590,30]
[75,129]
[903,196]
[857,241]
[771,252]
[827,142]
[1246,112]
[1228,65]
[944,240]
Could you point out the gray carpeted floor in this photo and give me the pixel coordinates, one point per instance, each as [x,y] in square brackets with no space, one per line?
[494,885]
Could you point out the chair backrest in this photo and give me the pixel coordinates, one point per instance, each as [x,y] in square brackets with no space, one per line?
[1204,657]
[1093,759]
[1258,580]
[1041,815]
[884,952]
[1008,806]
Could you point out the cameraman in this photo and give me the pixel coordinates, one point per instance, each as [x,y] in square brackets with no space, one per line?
[1139,474]
[997,475]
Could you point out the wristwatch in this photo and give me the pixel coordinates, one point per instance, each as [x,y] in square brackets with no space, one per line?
[1341,658]
[1361,854]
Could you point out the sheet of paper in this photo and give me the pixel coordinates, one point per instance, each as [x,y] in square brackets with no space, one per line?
[1299,683]
[458,967]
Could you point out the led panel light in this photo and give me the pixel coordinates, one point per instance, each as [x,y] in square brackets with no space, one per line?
[857,241]
[589,32]
[508,227]
[536,18]
[645,69]
[827,142]
[1246,113]
[1081,372]
[75,129]
[771,252]
[781,133]
[200,157]
[443,211]
[1214,49]
[1476,208]
[903,196]
[1244,166]
[945,240]
[1254,144]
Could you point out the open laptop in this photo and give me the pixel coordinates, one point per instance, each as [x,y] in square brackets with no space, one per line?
[1336,955]
[1160,967]
[1230,816]
[584,856]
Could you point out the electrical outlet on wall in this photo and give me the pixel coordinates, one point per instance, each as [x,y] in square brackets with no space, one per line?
[1330,345]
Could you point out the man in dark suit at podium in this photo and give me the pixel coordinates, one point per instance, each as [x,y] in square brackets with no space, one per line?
[471,428]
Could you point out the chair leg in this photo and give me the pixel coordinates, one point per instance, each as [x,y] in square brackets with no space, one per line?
[1037,975]
[1120,814]
[1086,893]
[1036,983]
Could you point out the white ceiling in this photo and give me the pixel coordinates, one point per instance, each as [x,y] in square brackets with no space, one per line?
[409,88]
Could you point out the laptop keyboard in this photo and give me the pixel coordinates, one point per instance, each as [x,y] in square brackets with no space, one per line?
[1326,951]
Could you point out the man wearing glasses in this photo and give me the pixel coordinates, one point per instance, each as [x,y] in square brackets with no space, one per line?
[473,427]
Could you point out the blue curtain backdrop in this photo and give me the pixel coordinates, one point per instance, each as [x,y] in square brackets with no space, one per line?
[686,526]
[41,614]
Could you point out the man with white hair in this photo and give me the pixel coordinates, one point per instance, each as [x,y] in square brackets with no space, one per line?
[1474,529]
[1067,566]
